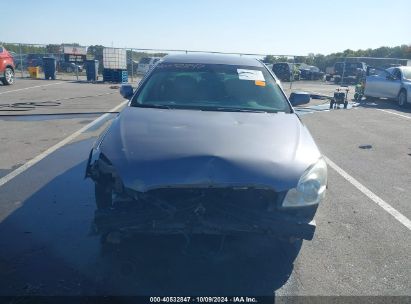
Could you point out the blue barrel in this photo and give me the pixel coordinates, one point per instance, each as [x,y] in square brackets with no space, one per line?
[49,67]
[92,70]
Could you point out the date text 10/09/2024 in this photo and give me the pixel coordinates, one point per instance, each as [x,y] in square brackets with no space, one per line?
[203,300]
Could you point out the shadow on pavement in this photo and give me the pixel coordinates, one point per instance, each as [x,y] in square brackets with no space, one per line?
[383,104]
[48,248]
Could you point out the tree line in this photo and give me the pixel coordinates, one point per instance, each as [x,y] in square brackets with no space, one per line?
[323,61]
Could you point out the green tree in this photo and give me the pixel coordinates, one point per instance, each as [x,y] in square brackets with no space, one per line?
[269,59]
[53,48]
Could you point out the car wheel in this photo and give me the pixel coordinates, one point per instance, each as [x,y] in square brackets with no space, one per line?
[8,77]
[103,195]
[402,98]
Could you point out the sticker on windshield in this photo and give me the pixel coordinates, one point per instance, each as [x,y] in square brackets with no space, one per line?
[253,75]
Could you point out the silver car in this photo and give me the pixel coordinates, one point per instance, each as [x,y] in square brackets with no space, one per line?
[393,83]
[209,144]
[146,63]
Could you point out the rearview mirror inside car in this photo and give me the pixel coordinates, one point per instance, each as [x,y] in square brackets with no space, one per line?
[126,90]
[297,98]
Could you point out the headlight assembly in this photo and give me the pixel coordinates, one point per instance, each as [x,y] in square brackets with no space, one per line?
[311,187]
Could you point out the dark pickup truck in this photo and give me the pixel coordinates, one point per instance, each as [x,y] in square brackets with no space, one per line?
[353,72]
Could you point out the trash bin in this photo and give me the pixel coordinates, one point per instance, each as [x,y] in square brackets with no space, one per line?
[49,67]
[34,71]
[92,69]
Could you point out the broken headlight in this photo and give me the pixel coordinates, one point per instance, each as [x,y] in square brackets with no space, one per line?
[311,187]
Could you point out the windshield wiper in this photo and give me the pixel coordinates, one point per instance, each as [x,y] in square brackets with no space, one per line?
[152,105]
[243,110]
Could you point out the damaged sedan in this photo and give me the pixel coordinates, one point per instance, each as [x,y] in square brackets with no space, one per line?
[209,144]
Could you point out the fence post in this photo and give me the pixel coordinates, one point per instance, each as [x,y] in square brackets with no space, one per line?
[21,61]
[132,67]
[292,73]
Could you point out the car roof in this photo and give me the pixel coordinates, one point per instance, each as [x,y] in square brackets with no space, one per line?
[212,59]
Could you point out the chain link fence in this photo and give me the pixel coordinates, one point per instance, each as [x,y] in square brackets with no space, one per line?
[71,65]
[70,61]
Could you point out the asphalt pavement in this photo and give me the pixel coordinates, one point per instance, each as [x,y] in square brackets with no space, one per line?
[49,245]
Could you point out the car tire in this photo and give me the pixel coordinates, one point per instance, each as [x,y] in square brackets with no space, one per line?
[8,76]
[402,98]
[103,195]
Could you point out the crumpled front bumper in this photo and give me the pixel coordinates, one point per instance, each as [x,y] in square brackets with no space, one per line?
[226,211]
[130,222]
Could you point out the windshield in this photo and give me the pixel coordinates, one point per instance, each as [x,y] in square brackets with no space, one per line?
[211,87]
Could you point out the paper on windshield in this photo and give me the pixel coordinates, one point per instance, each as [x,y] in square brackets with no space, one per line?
[253,75]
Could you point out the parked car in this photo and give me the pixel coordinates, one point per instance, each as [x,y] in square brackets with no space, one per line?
[132,66]
[353,72]
[6,67]
[286,71]
[69,67]
[310,72]
[208,144]
[393,83]
[33,60]
[146,63]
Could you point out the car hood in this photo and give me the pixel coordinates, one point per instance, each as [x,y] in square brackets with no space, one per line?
[157,148]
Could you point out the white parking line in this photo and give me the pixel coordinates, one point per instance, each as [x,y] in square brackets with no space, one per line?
[60,144]
[405,116]
[375,198]
[39,86]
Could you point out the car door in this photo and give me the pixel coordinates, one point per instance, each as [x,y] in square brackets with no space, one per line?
[374,82]
[395,84]
[392,83]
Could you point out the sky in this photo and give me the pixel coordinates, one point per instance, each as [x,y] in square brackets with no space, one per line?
[287,27]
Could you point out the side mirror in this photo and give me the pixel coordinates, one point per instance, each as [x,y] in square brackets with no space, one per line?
[126,90]
[297,98]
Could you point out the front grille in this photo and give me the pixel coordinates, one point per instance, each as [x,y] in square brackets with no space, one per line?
[213,199]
